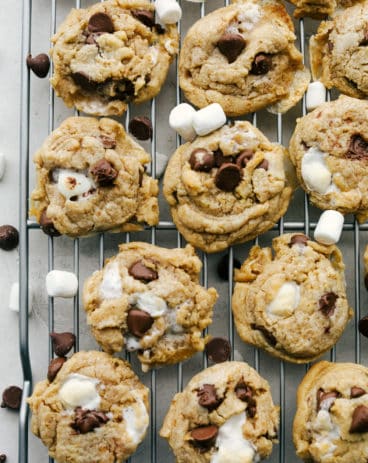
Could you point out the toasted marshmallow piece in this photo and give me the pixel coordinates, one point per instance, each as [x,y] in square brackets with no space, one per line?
[14,298]
[329,227]
[181,120]
[208,119]
[315,172]
[168,11]
[80,391]
[149,302]
[136,420]
[61,284]
[286,300]
[72,183]
[2,165]
[316,95]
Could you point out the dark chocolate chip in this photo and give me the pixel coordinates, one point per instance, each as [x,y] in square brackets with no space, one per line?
[321,396]
[243,158]
[218,350]
[87,420]
[231,45]
[100,22]
[263,165]
[221,159]
[146,17]
[223,266]
[91,39]
[159,29]
[2,458]
[363,326]
[82,79]
[327,303]
[228,177]
[9,237]
[204,436]
[139,322]
[245,394]
[54,367]
[207,397]
[141,127]
[108,142]
[103,172]
[62,342]
[124,90]
[359,422]
[298,239]
[358,148]
[356,391]
[270,338]
[202,160]
[40,64]
[47,225]
[261,65]
[140,272]
[12,397]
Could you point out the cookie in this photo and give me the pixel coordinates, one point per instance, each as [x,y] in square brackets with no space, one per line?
[91,178]
[329,149]
[338,52]
[291,300]
[225,410]
[228,187]
[320,9]
[95,409]
[110,54]
[148,299]
[243,56]
[331,421]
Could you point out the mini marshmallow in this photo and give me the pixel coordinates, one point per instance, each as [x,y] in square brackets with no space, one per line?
[80,391]
[316,95]
[181,120]
[329,227]
[72,183]
[168,11]
[149,302]
[208,119]
[61,284]
[161,162]
[14,298]
[286,300]
[315,172]
[2,165]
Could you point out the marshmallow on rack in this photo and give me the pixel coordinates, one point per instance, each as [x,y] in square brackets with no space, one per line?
[316,95]
[208,119]
[2,165]
[14,298]
[61,284]
[329,227]
[181,120]
[168,11]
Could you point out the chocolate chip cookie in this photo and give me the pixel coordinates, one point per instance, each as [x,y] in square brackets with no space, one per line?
[225,410]
[291,300]
[329,149]
[228,187]
[320,9]
[148,299]
[91,178]
[331,421]
[243,56]
[110,54]
[95,409]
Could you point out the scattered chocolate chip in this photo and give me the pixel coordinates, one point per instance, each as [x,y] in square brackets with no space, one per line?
[228,177]
[87,420]
[356,392]
[9,237]
[202,160]
[40,64]
[141,127]
[62,342]
[243,158]
[204,436]
[261,65]
[327,303]
[231,45]
[146,17]
[221,159]
[103,172]
[2,457]
[47,225]
[359,421]
[139,322]
[321,396]
[100,22]
[54,367]
[140,272]
[108,142]
[223,266]
[207,397]
[218,350]
[363,326]
[263,165]
[270,338]
[358,148]
[91,39]
[12,397]
[299,239]
[84,81]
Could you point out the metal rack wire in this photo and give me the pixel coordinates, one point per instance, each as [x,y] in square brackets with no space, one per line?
[28,226]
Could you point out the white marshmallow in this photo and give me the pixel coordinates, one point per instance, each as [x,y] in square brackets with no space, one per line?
[329,227]
[315,172]
[2,165]
[286,300]
[61,284]
[111,286]
[132,343]
[168,11]
[316,95]
[181,120]
[72,183]
[161,162]
[80,391]
[136,420]
[14,298]
[208,119]
[149,302]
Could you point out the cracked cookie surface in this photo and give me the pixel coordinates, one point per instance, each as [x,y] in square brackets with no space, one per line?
[320,9]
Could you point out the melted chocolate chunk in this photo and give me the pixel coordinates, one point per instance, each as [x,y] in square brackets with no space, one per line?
[221,159]
[103,173]
[140,272]
[204,436]
[146,17]
[270,338]
[47,225]
[100,22]
[243,158]
[207,397]
[201,160]
[139,322]
[298,239]
[87,420]
[84,81]
[327,303]
[356,392]
[245,394]
[261,65]
[263,165]
[359,422]
[358,148]
[321,396]
[231,45]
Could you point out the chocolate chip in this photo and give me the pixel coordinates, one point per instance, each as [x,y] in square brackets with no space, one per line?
[103,172]
[243,158]
[299,239]
[108,142]
[270,338]
[40,64]
[54,367]
[223,266]
[358,148]
[2,457]
[204,436]
[84,81]
[12,397]
[363,326]
[146,17]
[231,45]
[87,420]
[91,39]
[218,350]
[321,396]
[140,272]
[245,394]
[139,322]
[359,421]
[201,160]
[9,237]
[207,397]
[47,225]
[159,29]
[141,127]
[228,177]
[124,90]
[264,165]
[62,342]
[221,159]
[100,22]
[327,303]
[261,65]
[356,391]
[364,41]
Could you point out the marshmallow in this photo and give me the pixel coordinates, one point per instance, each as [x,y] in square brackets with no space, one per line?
[181,120]
[315,172]
[111,286]
[208,119]
[132,343]
[149,302]
[61,284]
[72,183]
[168,11]
[80,391]
[316,95]
[161,162]
[136,420]
[14,298]
[286,300]
[2,165]
[329,227]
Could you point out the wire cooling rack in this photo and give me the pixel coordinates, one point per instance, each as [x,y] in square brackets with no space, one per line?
[85,255]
